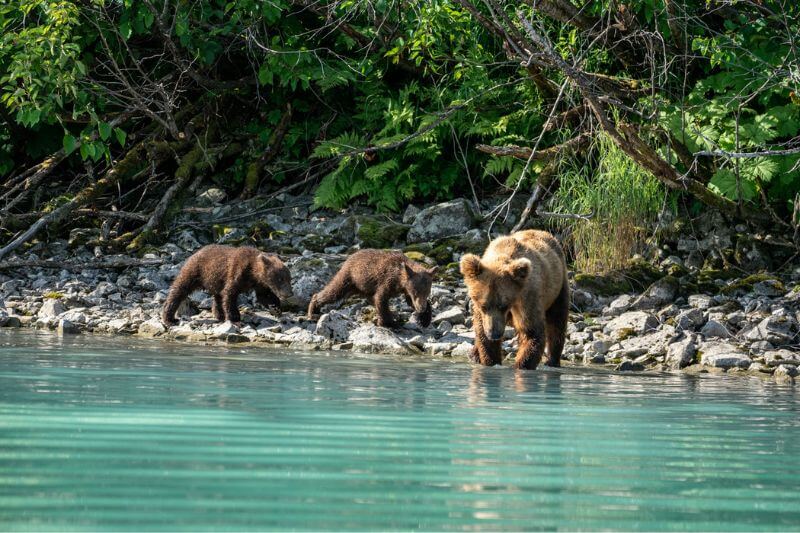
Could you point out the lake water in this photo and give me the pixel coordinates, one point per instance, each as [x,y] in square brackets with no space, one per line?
[112,434]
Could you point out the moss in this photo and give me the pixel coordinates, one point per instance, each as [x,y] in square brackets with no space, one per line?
[417,256]
[315,243]
[379,233]
[53,295]
[625,333]
[636,277]
[746,284]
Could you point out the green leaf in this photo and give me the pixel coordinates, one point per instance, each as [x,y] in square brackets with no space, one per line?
[105,130]
[69,143]
[120,135]
[724,183]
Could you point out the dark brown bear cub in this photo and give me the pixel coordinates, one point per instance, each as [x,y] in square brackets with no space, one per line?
[380,275]
[225,272]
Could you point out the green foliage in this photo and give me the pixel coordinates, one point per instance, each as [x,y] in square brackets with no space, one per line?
[622,200]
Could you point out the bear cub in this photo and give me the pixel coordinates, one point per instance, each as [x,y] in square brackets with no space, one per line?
[521,281]
[380,275]
[225,272]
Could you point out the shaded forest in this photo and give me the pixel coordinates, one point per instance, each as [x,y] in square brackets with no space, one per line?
[601,114]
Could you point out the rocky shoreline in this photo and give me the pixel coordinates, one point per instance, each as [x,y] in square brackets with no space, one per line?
[692,304]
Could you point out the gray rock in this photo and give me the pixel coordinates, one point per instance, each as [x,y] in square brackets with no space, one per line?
[373,339]
[681,353]
[582,299]
[658,294]
[51,308]
[778,330]
[334,326]
[594,358]
[723,355]
[442,220]
[462,350]
[599,347]
[226,328]
[152,328]
[700,301]
[619,305]
[410,214]
[715,329]
[689,320]
[785,371]
[629,366]
[65,327]
[778,357]
[454,315]
[769,287]
[631,323]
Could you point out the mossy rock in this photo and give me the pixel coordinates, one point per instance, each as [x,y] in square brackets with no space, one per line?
[745,285]
[419,257]
[315,243]
[636,277]
[625,333]
[375,232]
[53,295]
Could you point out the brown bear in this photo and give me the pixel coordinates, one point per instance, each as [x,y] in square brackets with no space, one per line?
[521,280]
[225,272]
[380,275]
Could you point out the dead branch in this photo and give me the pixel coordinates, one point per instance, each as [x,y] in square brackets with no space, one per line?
[522,152]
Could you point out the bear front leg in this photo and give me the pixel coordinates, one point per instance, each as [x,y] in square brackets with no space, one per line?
[230,304]
[384,315]
[182,287]
[531,343]
[267,298]
[486,351]
[337,288]
[217,308]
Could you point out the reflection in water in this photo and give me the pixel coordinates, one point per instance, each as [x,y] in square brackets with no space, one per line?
[155,436]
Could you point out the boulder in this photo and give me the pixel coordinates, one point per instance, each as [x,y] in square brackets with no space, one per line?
[65,327]
[453,315]
[51,308]
[369,338]
[442,220]
[631,323]
[723,355]
[778,330]
[658,294]
[334,326]
[714,329]
[689,320]
[681,353]
[152,328]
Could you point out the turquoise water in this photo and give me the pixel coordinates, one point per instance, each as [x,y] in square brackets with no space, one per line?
[102,434]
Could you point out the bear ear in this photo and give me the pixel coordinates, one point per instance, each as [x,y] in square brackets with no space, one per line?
[433,270]
[268,259]
[520,269]
[409,272]
[471,266]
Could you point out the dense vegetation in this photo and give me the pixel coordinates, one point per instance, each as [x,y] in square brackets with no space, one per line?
[117,109]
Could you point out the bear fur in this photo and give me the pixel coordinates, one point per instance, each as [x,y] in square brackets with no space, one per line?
[521,280]
[380,275]
[225,272]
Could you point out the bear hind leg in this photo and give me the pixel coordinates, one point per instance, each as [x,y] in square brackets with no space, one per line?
[337,288]
[230,304]
[556,326]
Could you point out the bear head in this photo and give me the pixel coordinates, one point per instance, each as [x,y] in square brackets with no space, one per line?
[494,288]
[272,274]
[416,281]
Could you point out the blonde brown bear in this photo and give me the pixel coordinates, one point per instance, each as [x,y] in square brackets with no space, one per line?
[521,280]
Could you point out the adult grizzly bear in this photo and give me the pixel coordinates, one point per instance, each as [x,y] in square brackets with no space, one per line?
[521,280]
[225,272]
[380,275]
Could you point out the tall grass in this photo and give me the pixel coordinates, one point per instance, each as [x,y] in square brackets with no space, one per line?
[623,198]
